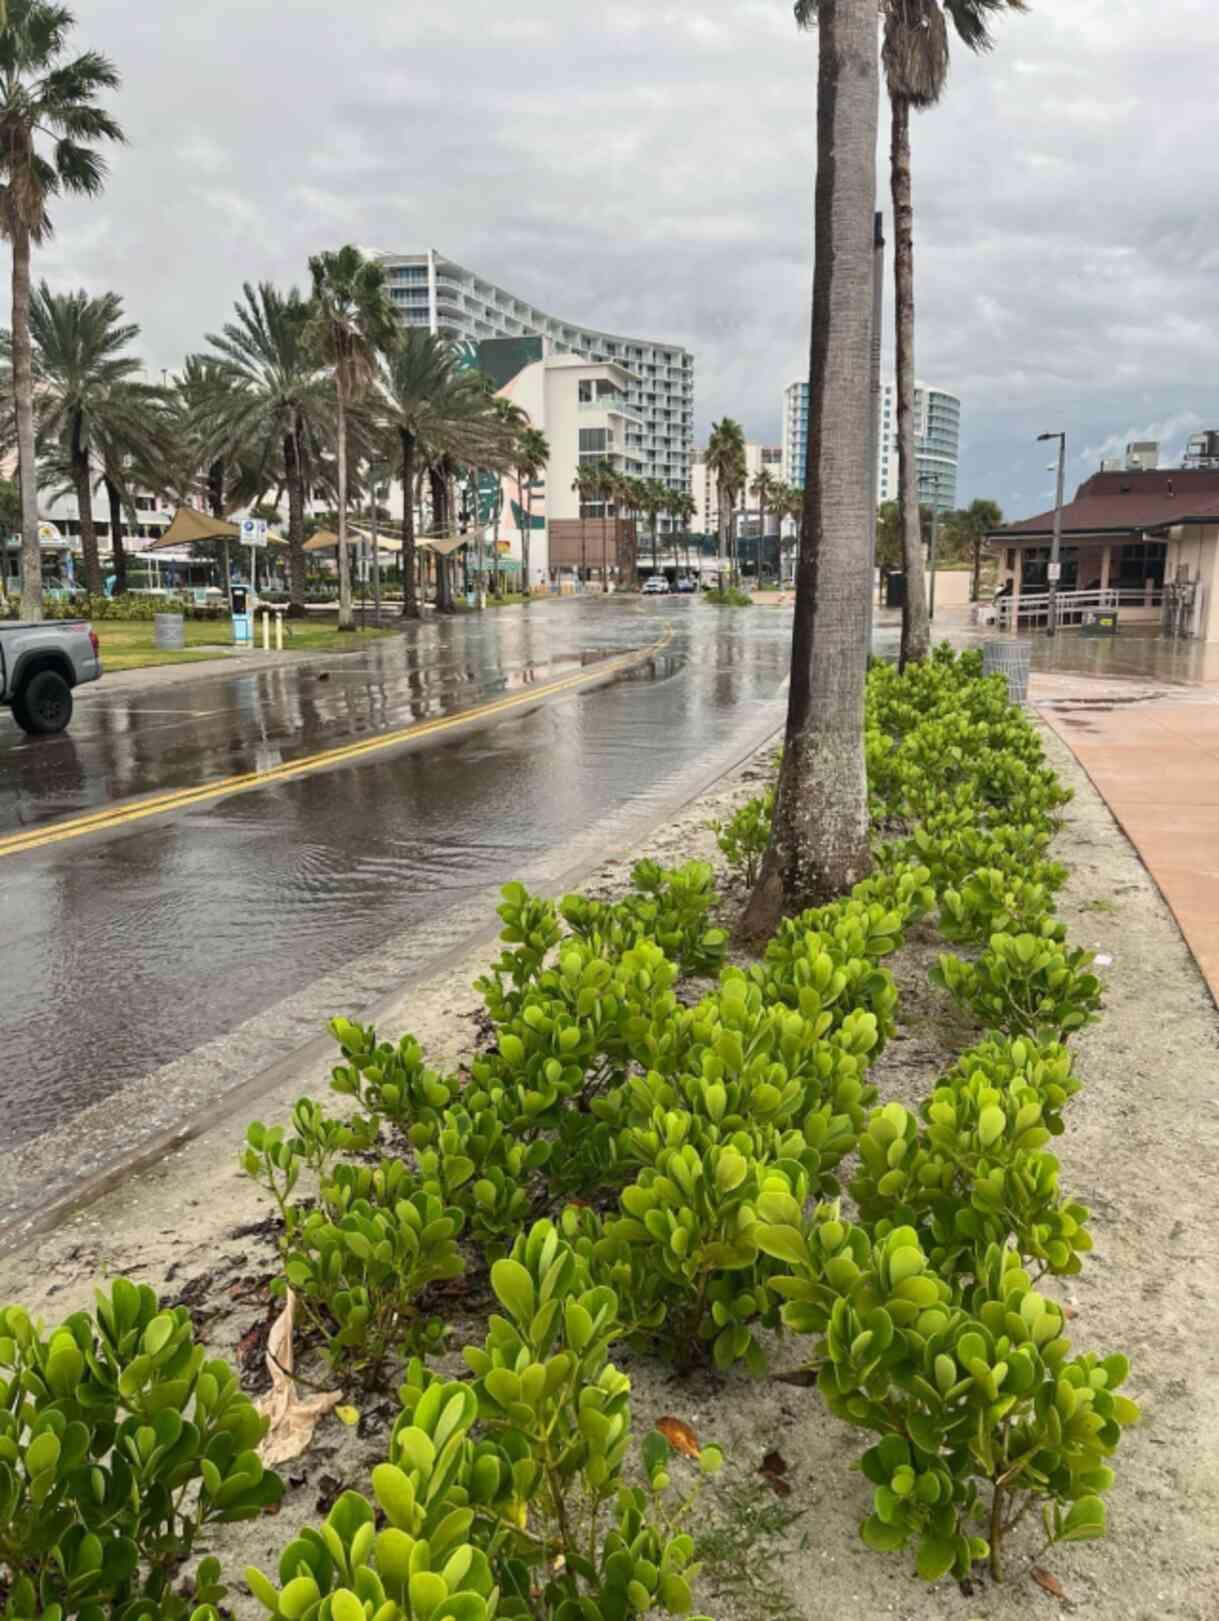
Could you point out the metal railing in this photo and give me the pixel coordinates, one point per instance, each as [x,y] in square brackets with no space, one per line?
[1033,607]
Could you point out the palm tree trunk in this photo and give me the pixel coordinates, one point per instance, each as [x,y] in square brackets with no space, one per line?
[977,579]
[118,551]
[655,527]
[296,526]
[819,838]
[916,625]
[82,478]
[23,397]
[410,594]
[346,614]
[526,577]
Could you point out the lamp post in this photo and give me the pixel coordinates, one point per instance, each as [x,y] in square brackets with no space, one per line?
[1056,543]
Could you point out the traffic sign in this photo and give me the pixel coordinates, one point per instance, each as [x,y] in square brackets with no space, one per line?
[1054,572]
[253,531]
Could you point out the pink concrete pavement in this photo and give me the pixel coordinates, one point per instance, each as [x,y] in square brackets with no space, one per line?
[1153,754]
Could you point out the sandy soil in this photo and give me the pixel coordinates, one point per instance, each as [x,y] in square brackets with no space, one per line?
[1140,1150]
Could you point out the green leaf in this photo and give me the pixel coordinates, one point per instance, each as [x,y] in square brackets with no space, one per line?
[991,1124]
[784,1243]
[1085,1520]
[514,1290]
[935,1557]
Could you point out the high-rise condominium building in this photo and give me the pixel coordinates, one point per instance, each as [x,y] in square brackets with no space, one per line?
[937,441]
[431,291]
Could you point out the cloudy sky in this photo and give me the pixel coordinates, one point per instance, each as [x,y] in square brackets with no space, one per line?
[648,168]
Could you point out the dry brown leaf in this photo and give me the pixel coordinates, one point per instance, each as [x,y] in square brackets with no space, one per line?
[774,1463]
[680,1436]
[292,1421]
[1051,1584]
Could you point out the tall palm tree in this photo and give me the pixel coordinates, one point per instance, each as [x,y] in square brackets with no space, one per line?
[915,54]
[514,421]
[970,526]
[431,411]
[135,450]
[819,835]
[726,459]
[270,395]
[532,458]
[45,101]
[764,489]
[88,399]
[351,324]
[680,507]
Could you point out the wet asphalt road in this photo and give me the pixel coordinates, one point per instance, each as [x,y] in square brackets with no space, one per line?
[124,950]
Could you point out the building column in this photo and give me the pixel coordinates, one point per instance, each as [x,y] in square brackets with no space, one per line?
[1106,550]
[433,318]
[1013,602]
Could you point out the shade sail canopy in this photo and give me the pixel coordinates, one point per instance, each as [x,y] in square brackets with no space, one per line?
[327,541]
[190,525]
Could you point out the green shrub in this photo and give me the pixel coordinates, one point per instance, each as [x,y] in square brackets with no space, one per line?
[745,837]
[728,596]
[120,1444]
[970,1385]
[1025,984]
[507,1496]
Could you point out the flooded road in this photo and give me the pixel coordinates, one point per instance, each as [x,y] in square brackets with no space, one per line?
[127,947]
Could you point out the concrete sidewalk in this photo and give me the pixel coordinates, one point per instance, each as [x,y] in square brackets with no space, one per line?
[1152,752]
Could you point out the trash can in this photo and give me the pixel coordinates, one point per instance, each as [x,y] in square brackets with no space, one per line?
[895,590]
[239,598]
[1010,659]
[169,633]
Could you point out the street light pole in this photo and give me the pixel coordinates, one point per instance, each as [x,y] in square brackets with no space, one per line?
[1056,543]
[376,555]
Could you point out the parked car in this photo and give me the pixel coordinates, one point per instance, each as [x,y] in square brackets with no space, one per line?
[656,586]
[685,584]
[39,667]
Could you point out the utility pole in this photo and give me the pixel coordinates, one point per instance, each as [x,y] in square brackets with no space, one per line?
[878,313]
[1055,568]
[935,541]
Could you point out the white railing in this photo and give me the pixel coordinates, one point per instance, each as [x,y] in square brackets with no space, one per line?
[1033,607]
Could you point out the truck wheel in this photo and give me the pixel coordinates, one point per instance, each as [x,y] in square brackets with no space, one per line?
[44,704]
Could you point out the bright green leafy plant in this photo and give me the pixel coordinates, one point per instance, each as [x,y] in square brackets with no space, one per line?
[120,1445]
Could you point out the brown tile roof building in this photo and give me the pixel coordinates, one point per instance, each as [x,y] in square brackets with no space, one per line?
[1128,503]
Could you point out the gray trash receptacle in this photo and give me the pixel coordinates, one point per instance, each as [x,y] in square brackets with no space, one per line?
[1010,659]
[169,632]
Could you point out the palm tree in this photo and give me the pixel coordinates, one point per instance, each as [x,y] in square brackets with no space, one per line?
[764,489]
[915,53]
[726,459]
[532,457]
[681,507]
[43,98]
[432,411]
[514,421]
[136,452]
[351,323]
[271,395]
[971,525]
[88,403]
[819,836]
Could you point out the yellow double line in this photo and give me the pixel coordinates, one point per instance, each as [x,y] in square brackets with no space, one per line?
[102,821]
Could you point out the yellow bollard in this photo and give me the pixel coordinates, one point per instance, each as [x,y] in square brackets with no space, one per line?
[279,632]
[266,632]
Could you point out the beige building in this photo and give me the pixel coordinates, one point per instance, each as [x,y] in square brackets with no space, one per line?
[1141,543]
[583,408]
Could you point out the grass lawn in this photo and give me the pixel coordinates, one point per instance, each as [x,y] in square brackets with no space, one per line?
[128,644]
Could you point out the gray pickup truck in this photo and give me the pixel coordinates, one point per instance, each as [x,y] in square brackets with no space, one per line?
[40,665]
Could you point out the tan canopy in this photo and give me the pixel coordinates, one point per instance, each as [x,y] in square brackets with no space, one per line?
[189,525]
[327,541]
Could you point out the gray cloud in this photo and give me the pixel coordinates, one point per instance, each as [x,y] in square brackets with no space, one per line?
[650,169]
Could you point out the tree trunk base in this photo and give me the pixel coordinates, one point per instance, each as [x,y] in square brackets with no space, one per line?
[296,610]
[763,911]
[347,630]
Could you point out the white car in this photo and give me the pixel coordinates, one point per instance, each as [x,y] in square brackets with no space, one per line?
[656,586]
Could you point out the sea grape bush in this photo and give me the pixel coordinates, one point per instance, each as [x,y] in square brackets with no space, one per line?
[121,1443]
[744,837]
[668,1150]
